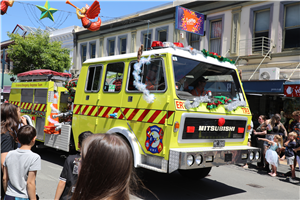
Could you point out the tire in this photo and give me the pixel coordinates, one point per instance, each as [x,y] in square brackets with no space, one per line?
[195,174]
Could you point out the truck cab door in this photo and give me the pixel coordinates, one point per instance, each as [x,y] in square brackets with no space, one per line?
[86,100]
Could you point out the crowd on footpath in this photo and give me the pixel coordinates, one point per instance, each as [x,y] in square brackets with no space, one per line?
[79,179]
[279,140]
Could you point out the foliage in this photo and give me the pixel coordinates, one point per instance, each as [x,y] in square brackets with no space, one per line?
[35,51]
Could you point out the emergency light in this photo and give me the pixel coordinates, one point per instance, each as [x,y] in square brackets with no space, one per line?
[157,44]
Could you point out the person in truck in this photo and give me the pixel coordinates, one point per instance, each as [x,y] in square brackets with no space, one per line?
[199,89]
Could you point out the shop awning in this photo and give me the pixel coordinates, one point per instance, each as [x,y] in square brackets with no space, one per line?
[264,87]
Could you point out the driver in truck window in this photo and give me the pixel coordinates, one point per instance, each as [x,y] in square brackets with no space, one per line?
[151,78]
[199,88]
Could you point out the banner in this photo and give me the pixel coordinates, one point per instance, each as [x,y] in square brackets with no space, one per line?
[292,90]
[189,21]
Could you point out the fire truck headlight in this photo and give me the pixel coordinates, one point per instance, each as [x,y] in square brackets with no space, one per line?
[251,156]
[257,155]
[198,159]
[190,160]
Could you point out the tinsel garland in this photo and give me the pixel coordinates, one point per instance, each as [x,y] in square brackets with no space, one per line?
[214,102]
[149,98]
[197,101]
[232,106]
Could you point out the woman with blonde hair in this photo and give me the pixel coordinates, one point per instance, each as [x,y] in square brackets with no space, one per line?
[106,168]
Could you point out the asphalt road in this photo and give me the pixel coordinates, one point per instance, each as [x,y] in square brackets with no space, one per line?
[226,182]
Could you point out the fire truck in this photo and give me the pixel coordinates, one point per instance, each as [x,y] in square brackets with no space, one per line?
[177,108]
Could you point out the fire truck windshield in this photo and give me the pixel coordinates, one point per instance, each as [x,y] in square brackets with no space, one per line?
[194,78]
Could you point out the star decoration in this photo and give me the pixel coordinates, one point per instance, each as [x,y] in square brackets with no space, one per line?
[47,11]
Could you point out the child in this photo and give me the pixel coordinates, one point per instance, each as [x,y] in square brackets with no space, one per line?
[271,154]
[289,153]
[69,174]
[20,167]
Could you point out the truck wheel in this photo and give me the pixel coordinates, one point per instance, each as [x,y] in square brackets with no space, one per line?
[195,174]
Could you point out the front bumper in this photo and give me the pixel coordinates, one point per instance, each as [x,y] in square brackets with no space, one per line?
[212,157]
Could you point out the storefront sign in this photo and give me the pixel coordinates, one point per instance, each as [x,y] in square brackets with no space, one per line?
[190,21]
[292,90]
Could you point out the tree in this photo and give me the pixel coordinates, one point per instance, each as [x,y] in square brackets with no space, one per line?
[35,51]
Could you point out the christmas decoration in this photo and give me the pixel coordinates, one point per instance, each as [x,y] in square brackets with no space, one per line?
[47,11]
[5,4]
[197,101]
[69,86]
[149,98]
[232,106]
[86,13]
[216,56]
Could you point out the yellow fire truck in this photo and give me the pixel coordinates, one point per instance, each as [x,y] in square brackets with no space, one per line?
[178,108]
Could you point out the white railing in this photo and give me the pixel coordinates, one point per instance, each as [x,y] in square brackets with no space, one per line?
[255,46]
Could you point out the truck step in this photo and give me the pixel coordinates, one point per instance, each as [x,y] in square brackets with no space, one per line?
[152,168]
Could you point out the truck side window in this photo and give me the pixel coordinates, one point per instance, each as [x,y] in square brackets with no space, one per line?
[152,75]
[114,77]
[93,80]
[27,95]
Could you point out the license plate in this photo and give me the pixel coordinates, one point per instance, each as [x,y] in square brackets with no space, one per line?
[219,143]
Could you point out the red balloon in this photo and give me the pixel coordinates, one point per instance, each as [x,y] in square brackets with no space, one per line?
[221,121]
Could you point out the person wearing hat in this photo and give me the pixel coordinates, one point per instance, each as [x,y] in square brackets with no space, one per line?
[199,88]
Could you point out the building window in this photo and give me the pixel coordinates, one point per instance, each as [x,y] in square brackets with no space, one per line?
[261,30]
[234,32]
[194,40]
[83,53]
[215,36]
[93,50]
[292,26]
[147,41]
[162,36]
[114,77]
[111,47]
[93,80]
[123,42]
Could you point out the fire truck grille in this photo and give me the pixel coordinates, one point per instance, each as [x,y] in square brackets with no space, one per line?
[201,128]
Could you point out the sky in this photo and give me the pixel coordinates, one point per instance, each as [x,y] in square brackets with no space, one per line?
[26,13]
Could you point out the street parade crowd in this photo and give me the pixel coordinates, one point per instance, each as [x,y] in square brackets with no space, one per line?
[79,179]
[279,140]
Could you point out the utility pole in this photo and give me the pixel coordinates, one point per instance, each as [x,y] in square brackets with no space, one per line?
[2,81]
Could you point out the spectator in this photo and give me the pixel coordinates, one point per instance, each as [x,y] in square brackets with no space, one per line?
[277,127]
[20,167]
[296,128]
[9,128]
[271,154]
[105,170]
[289,153]
[260,132]
[69,174]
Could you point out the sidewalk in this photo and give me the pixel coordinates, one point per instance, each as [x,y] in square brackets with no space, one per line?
[282,169]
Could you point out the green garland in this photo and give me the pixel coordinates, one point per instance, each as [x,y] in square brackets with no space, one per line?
[214,55]
[219,100]
[69,87]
